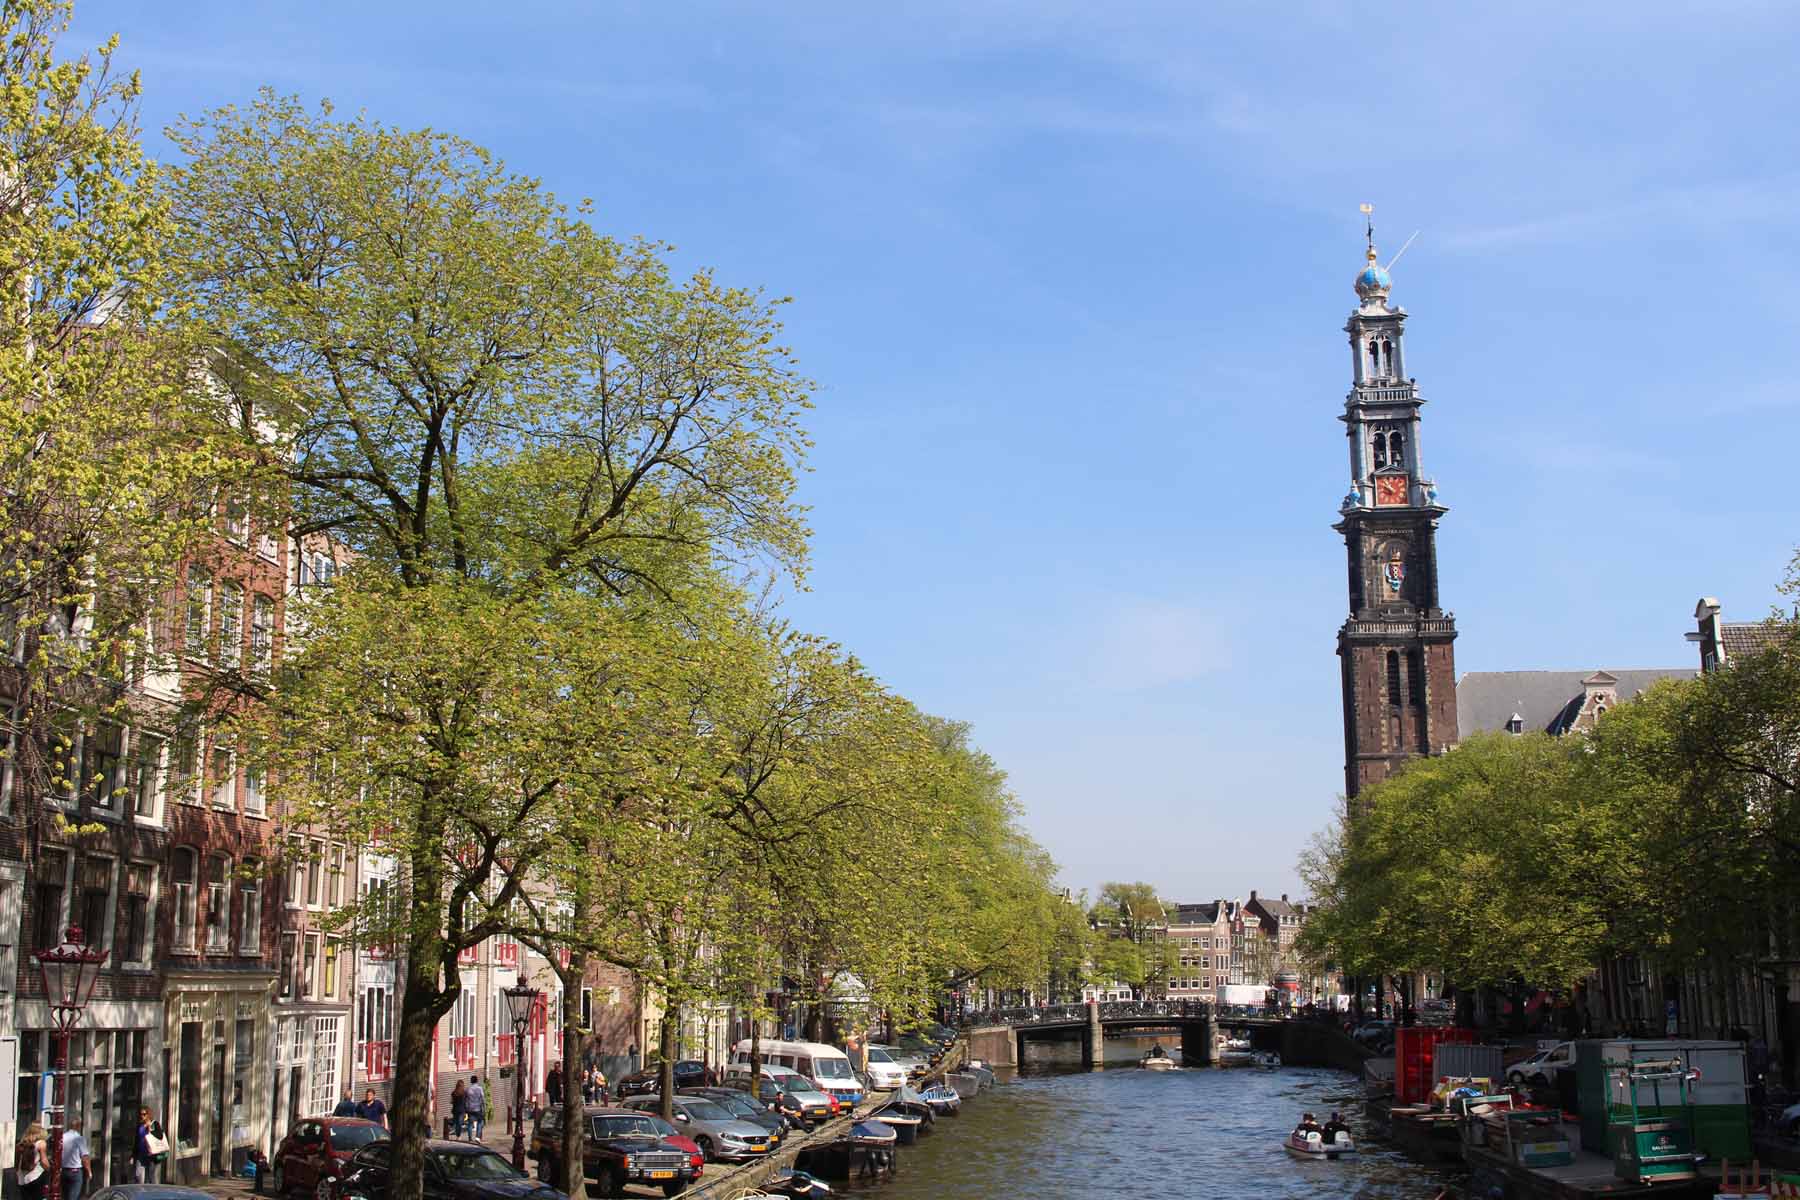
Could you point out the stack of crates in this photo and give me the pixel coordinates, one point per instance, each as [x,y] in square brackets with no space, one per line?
[1414,1063]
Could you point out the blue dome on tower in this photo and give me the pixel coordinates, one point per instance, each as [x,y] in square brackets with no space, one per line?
[1373,282]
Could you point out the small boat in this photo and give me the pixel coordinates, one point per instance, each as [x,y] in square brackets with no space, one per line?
[904,1124]
[1312,1145]
[964,1084]
[1156,1062]
[944,1101]
[1235,1058]
[983,1076]
[1268,1060]
[870,1132]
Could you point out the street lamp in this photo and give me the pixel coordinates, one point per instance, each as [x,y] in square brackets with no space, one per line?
[521,998]
[69,972]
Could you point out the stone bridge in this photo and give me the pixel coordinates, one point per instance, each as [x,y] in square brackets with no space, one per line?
[1003,1035]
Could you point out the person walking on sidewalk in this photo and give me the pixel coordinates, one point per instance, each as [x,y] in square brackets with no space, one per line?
[31,1163]
[459,1108]
[553,1085]
[77,1161]
[372,1109]
[146,1161]
[476,1102]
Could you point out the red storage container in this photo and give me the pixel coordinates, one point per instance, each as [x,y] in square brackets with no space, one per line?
[1413,1047]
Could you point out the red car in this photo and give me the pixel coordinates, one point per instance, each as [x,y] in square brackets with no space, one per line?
[312,1157]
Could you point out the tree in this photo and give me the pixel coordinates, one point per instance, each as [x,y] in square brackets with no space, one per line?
[499,411]
[110,452]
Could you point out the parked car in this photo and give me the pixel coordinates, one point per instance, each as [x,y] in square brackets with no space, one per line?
[454,1170]
[1377,1035]
[811,1105]
[312,1157]
[689,1072]
[151,1191]
[886,1071]
[721,1134]
[745,1107]
[618,1147]
[1541,1067]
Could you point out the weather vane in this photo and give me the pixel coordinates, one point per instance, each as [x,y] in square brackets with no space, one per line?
[1368,212]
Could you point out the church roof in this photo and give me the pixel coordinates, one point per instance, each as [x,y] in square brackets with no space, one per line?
[1546,701]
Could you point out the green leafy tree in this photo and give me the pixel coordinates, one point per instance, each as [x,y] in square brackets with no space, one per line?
[498,411]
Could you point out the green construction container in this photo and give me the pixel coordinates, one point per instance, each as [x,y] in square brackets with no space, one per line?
[1720,1109]
[1653,1150]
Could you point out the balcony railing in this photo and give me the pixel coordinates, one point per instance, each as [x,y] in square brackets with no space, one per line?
[506,954]
[468,956]
[504,1049]
[462,1051]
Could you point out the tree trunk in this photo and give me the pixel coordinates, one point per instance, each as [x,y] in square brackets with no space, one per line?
[421,1005]
[573,1180]
[665,1071]
[755,1055]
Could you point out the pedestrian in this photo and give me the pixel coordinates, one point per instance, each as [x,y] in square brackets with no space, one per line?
[459,1109]
[346,1107]
[77,1161]
[599,1085]
[476,1103]
[372,1109]
[29,1161]
[150,1150]
[553,1084]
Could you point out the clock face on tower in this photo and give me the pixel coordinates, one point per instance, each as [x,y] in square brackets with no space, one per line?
[1390,489]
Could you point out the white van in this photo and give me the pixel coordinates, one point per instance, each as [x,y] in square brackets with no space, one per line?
[828,1067]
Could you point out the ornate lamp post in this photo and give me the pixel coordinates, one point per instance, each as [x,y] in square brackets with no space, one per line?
[69,972]
[521,998]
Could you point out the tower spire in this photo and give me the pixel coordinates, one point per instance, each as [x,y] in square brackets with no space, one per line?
[1368,212]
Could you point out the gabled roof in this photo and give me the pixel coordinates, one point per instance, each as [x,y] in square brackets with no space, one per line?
[1744,638]
[1196,914]
[1546,701]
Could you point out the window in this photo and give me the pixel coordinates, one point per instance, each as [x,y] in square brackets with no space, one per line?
[198,602]
[309,965]
[181,885]
[331,968]
[235,520]
[218,904]
[290,953]
[52,870]
[325,1063]
[1516,724]
[96,899]
[149,775]
[222,775]
[231,625]
[1416,666]
[184,768]
[250,908]
[262,633]
[187,1125]
[103,767]
[334,879]
[315,875]
[140,887]
[254,804]
[1393,677]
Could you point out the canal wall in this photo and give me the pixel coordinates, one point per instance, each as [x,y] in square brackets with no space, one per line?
[995,1045]
[1314,1044]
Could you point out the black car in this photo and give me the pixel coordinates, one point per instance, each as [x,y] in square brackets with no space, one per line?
[619,1147]
[454,1170]
[745,1107]
[689,1072]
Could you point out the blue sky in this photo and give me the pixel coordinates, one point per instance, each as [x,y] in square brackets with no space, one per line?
[1072,277]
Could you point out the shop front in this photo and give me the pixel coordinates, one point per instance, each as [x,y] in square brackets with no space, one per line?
[111,1070]
[217,1039]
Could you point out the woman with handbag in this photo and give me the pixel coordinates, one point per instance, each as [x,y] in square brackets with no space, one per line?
[150,1151]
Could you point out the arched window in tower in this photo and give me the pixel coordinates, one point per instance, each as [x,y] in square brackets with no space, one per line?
[1393,677]
[1387,355]
[1374,356]
[1378,446]
[1416,668]
[1396,449]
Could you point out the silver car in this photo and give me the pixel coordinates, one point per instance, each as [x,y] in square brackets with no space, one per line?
[719,1133]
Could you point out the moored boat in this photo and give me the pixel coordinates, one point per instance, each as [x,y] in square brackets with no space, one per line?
[1268,1060]
[944,1101]
[1156,1062]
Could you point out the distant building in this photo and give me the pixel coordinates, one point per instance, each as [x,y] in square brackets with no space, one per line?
[1553,702]
[1200,937]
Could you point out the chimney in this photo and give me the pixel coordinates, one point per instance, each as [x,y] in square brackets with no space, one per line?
[1284,897]
[1253,895]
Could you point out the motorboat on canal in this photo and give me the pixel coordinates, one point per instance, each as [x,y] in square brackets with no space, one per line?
[1268,1060]
[1156,1060]
[905,1125]
[944,1101]
[1314,1146]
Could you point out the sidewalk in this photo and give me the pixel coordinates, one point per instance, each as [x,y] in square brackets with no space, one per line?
[496,1137]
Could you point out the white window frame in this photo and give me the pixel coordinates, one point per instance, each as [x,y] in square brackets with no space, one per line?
[260,806]
[150,912]
[194,792]
[218,903]
[12,928]
[191,943]
[111,920]
[197,574]
[158,775]
[106,802]
[315,875]
[262,634]
[309,966]
[227,782]
[249,878]
[231,599]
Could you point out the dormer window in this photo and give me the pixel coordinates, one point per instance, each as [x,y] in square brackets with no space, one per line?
[1516,725]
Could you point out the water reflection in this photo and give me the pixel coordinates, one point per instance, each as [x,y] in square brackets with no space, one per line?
[1053,1134]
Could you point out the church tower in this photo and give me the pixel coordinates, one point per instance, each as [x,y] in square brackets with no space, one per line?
[1395,649]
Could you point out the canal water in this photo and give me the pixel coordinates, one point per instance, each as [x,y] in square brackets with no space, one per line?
[1059,1134]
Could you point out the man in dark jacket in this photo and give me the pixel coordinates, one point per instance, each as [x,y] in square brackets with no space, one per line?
[372,1109]
[346,1107]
